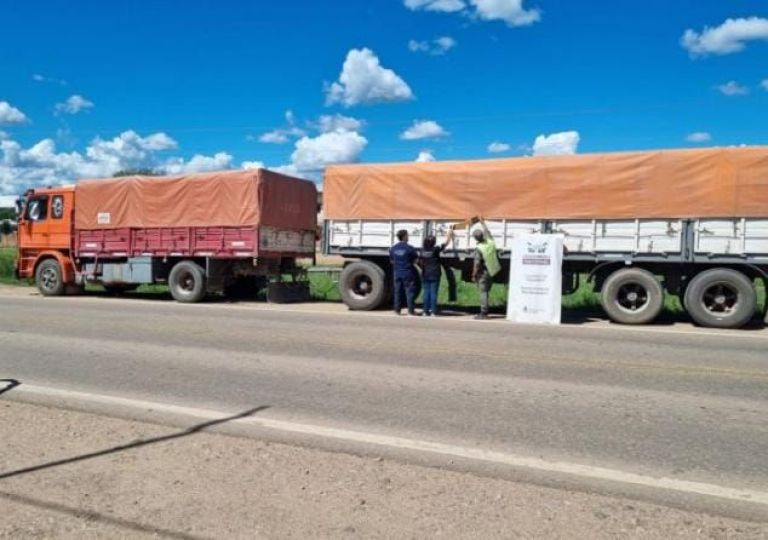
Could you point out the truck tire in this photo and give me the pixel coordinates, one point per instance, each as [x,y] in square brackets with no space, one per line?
[721,298]
[632,296]
[48,278]
[187,282]
[363,286]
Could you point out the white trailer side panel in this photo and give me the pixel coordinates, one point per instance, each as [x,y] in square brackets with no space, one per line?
[504,232]
[741,236]
[372,234]
[650,237]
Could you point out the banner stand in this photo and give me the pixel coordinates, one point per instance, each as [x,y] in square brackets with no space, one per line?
[536,279]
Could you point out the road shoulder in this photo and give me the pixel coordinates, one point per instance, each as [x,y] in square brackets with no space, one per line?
[73,474]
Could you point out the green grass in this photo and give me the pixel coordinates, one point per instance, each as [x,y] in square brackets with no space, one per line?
[323,288]
[7,258]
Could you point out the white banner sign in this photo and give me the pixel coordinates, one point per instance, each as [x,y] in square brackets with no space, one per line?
[536,279]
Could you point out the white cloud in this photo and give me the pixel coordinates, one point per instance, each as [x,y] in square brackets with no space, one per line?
[423,129]
[699,137]
[198,164]
[252,165]
[764,84]
[436,47]
[7,201]
[425,156]
[43,79]
[284,134]
[4,135]
[733,88]
[314,153]
[74,104]
[446,6]
[728,38]
[274,137]
[557,144]
[498,147]
[363,80]
[42,164]
[327,123]
[10,114]
[511,12]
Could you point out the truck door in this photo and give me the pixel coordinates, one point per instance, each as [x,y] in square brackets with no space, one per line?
[34,232]
[60,220]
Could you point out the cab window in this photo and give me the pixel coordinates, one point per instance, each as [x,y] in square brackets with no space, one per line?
[37,209]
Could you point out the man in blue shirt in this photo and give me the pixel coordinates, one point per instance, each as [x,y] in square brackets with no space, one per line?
[403,256]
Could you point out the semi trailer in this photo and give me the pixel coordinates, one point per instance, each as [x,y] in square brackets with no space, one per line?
[217,232]
[637,225]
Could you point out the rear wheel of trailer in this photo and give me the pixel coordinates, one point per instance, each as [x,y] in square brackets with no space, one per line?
[363,286]
[187,282]
[721,298]
[632,296]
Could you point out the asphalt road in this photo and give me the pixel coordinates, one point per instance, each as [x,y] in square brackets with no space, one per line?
[687,405]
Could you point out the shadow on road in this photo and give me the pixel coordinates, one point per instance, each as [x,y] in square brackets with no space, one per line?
[92,516]
[132,445]
[6,385]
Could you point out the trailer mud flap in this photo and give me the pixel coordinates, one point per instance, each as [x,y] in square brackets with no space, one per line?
[288,293]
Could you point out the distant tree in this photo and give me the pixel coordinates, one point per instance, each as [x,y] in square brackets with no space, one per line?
[7,213]
[5,231]
[136,172]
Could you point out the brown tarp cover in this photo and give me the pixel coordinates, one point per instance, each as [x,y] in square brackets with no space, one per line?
[660,184]
[223,199]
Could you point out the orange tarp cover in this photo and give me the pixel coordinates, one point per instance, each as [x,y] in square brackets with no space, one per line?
[701,183]
[223,199]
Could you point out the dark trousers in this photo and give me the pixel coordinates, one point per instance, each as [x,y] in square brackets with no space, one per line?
[431,286]
[484,283]
[405,286]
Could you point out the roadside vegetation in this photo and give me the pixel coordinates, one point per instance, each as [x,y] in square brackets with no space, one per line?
[7,256]
[324,288]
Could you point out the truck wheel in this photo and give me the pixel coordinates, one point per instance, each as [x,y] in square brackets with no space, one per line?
[632,296]
[721,298]
[187,282]
[49,279]
[363,286]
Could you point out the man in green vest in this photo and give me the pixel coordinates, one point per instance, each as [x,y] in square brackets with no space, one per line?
[486,265]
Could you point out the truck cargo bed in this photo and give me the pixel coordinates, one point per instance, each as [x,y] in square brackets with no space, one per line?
[742,238]
[220,242]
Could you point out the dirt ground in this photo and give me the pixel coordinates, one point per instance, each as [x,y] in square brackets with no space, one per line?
[206,485]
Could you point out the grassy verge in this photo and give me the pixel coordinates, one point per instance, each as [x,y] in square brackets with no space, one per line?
[323,288]
[7,258]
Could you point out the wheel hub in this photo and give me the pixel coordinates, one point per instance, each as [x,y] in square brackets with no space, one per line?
[49,278]
[363,286]
[720,298]
[632,297]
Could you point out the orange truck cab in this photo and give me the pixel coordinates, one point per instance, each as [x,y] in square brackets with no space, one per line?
[45,237]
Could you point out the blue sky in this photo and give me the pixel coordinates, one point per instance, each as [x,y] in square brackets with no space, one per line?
[211,78]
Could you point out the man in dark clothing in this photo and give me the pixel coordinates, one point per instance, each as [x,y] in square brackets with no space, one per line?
[431,271]
[403,256]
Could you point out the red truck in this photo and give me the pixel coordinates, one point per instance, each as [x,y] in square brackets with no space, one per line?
[216,232]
